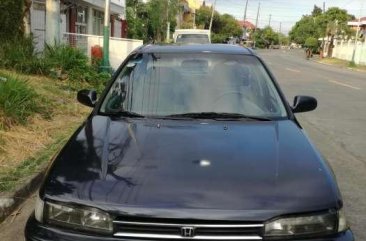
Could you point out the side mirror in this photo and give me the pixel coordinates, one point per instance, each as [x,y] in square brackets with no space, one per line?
[304,104]
[87,97]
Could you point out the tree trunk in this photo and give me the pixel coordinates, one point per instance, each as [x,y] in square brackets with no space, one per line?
[26,17]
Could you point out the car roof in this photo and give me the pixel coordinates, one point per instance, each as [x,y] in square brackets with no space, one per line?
[196,48]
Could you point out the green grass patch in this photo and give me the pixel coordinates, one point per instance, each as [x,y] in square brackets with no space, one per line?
[12,178]
[18,101]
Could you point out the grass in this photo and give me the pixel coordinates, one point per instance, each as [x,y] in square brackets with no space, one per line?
[342,63]
[24,148]
[18,101]
[13,177]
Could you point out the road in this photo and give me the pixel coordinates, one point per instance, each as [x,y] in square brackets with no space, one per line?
[337,128]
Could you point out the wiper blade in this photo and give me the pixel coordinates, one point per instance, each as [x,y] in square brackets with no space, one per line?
[124,114]
[216,115]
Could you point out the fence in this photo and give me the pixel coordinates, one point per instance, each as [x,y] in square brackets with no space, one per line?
[119,48]
[344,50]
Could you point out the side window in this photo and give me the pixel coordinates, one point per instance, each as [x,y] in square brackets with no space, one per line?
[118,96]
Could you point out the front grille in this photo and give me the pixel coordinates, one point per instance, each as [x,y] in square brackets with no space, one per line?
[171,229]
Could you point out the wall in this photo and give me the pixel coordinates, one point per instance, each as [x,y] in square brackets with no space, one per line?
[344,50]
[119,48]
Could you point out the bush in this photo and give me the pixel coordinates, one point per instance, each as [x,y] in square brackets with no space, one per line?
[60,62]
[65,57]
[11,18]
[18,101]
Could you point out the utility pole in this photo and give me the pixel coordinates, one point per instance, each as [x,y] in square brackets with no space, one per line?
[167,23]
[212,15]
[245,19]
[105,66]
[194,18]
[279,33]
[357,33]
[53,22]
[256,21]
[323,42]
[270,18]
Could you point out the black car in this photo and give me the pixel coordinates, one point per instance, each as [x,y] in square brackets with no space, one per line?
[190,143]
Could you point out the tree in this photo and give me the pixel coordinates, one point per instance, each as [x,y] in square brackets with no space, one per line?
[137,18]
[303,29]
[11,19]
[203,18]
[331,23]
[265,37]
[316,11]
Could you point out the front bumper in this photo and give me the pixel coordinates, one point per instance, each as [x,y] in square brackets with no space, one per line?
[35,231]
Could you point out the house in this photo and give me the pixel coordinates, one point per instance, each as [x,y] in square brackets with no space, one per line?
[79,17]
[247,28]
[359,22]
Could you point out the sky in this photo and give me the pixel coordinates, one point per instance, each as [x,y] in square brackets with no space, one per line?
[287,12]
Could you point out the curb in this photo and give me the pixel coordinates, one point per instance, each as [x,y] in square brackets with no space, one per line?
[10,201]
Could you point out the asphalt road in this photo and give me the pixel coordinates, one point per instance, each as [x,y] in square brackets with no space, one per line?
[337,128]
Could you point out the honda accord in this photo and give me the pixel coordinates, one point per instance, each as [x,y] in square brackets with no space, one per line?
[190,143]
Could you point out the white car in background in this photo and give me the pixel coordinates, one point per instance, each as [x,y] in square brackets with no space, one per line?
[192,36]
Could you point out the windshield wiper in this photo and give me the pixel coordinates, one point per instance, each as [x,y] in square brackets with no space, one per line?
[216,115]
[123,113]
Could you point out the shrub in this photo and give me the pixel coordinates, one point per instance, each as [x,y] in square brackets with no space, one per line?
[18,101]
[65,57]
[11,18]
[59,62]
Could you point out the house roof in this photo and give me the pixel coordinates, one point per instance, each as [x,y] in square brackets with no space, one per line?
[357,22]
[246,24]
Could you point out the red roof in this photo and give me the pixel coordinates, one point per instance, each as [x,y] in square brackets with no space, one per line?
[246,24]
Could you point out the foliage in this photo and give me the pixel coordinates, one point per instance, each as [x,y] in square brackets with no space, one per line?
[265,37]
[65,58]
[316,11]
[18,53]
[62,62]
[203,18]
[11,12]
[223,26]
[218,38]
[311,42]
[18,101]
[148,21]
[331,23]
[283,39]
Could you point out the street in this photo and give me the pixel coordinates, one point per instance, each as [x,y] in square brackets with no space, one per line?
[336,128]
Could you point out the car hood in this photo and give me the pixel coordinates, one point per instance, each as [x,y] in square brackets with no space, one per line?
[240,169]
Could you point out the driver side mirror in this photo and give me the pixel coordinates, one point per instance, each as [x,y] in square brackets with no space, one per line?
[304,104]
[87,97]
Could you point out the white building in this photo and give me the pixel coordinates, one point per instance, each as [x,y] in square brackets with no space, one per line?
[79,17]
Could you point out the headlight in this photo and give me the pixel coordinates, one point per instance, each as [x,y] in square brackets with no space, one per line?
[88,219]
[320,224]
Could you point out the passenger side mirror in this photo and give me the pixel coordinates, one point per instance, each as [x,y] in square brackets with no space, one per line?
[87,97]
[304,104]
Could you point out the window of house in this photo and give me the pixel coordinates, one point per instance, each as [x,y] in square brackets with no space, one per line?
[81,20]
[98,22]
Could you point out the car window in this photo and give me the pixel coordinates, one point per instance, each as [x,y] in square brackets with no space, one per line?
[193,38]
[168,84]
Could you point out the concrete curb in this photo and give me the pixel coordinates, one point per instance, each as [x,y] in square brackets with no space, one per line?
[9,202]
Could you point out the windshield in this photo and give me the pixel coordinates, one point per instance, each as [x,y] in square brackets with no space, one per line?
[193,38]
[173,84]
